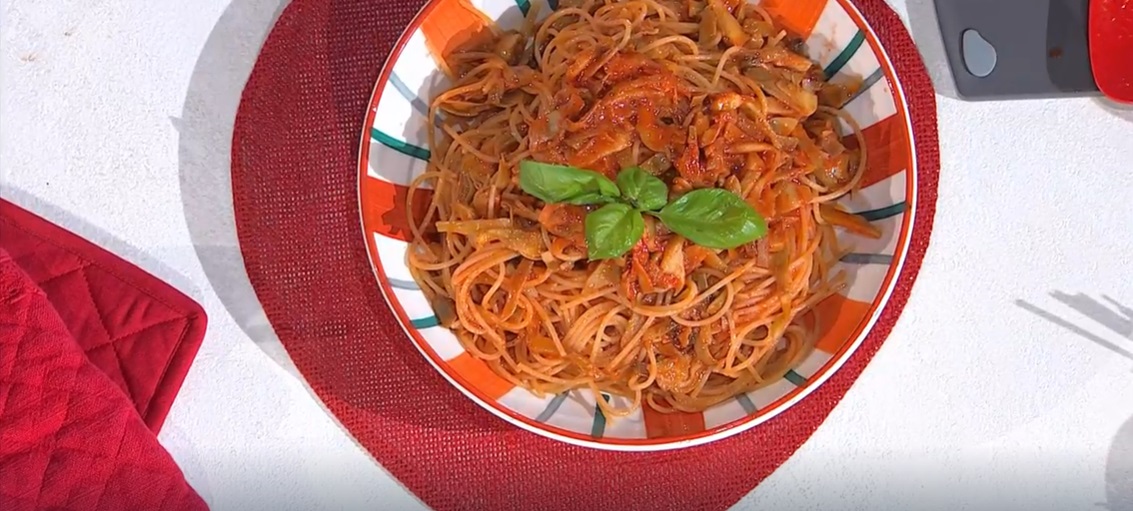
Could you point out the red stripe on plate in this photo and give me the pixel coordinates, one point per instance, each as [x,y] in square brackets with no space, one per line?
[887,149]
[799,16]
[838,319]
[384,208]
[671,425]
[477,374]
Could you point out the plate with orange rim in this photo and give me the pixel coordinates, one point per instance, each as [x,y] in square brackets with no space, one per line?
[395,149]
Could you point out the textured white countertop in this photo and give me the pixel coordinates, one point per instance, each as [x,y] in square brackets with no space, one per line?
[116,123]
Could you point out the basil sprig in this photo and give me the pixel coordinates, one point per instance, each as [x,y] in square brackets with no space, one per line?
[710,217]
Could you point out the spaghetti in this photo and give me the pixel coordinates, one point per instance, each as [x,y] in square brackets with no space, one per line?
[701,95]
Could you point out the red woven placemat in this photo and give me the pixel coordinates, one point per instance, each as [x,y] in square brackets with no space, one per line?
[295,151]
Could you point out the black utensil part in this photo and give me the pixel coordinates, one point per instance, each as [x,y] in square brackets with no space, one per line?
[1041,47]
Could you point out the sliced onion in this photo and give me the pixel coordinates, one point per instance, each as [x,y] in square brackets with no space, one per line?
[801,101]
[445,309]
[529,244]
[783,126]
[473,227]
[728,24]
[607,274]
[673,258]
[709,30]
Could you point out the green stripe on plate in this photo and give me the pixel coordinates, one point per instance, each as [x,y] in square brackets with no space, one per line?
[399,145]
[856,258]
[403,284]
[870,81]
[551,408]
[874,215]
[795,378]
[746,404]
[417,103]
[599,427]
[414,101]
[524,6]
[844,57]
[428,322]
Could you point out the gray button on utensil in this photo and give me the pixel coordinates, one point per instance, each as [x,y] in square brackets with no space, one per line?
[979,54]
[1004,49]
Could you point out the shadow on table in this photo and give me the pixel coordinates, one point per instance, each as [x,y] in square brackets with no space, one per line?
[1114,316]
[1123,112]
[1119,470]
[205,149]
[1118,319]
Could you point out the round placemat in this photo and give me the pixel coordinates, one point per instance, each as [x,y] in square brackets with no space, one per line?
[294,181]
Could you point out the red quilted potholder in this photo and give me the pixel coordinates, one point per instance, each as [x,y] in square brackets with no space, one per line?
[72,433]
[139,331]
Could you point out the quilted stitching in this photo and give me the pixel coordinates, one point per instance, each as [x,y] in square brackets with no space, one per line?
[68,438]
[129,334]
[87,342]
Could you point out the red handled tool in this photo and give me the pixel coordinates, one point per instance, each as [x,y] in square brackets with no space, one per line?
[1111,47]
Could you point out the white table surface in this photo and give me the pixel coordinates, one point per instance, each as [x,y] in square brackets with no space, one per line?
[116,123]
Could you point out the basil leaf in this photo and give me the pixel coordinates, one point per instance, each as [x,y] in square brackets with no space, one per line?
[558,183]
[612,231]
[643,189]
[714,218]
